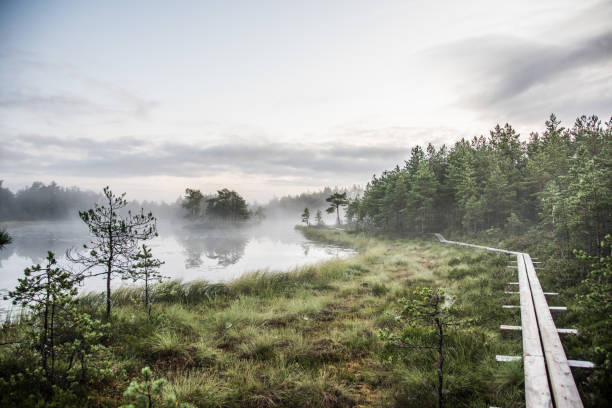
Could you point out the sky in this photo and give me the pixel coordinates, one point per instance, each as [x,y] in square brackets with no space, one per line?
[279,97]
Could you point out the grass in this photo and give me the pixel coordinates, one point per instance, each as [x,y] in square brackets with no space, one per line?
[310,337]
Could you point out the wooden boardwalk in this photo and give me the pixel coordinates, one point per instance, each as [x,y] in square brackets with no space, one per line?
[548,377]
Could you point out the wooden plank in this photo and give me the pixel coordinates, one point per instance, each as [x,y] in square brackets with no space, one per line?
[581,364]
[533,303]
[537,391]
[552,308]
[568,331]
[518,328]
[506,359]
[445,241]
[562,382]
[550,293]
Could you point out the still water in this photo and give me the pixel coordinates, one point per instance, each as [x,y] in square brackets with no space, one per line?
[213,255]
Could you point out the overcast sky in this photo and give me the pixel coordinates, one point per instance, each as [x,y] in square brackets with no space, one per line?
[277,97]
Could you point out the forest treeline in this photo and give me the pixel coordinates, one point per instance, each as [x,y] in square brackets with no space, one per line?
[43,202]
[48,202]
[549,195]
[558,181]
[290,205]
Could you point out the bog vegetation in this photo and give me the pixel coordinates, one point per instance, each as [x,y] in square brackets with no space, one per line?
[406,322]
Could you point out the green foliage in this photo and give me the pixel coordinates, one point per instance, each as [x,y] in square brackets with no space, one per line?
[303,338]
[115,240]
[560,180]
[149,393]
[228,205]
[354,217]
[5,238]
[433,308]
[595,299]
[193,201]
[146,268]
[46,292]
[60,348]
[336,200]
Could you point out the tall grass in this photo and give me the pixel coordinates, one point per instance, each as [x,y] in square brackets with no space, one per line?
[309,337]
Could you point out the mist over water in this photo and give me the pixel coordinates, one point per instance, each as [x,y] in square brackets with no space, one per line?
[190,253]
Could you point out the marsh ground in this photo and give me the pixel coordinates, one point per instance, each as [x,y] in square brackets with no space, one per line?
[310,337]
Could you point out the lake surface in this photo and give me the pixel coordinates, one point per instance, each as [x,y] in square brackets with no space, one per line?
[213,255]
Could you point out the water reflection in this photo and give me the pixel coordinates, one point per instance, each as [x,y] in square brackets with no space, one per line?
[32,241]
[214,255]
[226,247]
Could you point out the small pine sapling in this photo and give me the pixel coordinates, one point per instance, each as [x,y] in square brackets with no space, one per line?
[46,291]
[433,308]
[149,393]
[146,268]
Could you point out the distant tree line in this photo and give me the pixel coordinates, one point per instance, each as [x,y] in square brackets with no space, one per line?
[292,204]
[43,202]
[559,181]
[335,201]
[224,206]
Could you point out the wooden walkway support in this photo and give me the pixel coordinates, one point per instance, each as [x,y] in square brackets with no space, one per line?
[548,377]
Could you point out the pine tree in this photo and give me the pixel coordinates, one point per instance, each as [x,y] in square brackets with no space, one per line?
[319,218]
[336,201]
[193,202]
[422,195]
[228,205]
[115,239]
[146,268]
[306,217]
[46,291]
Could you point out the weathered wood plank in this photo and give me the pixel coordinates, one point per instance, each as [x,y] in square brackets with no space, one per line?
[551,355]
[537,392]
[505,359]
[568,331]
[581,364]
[552,308]
[562,382]
[518,328]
